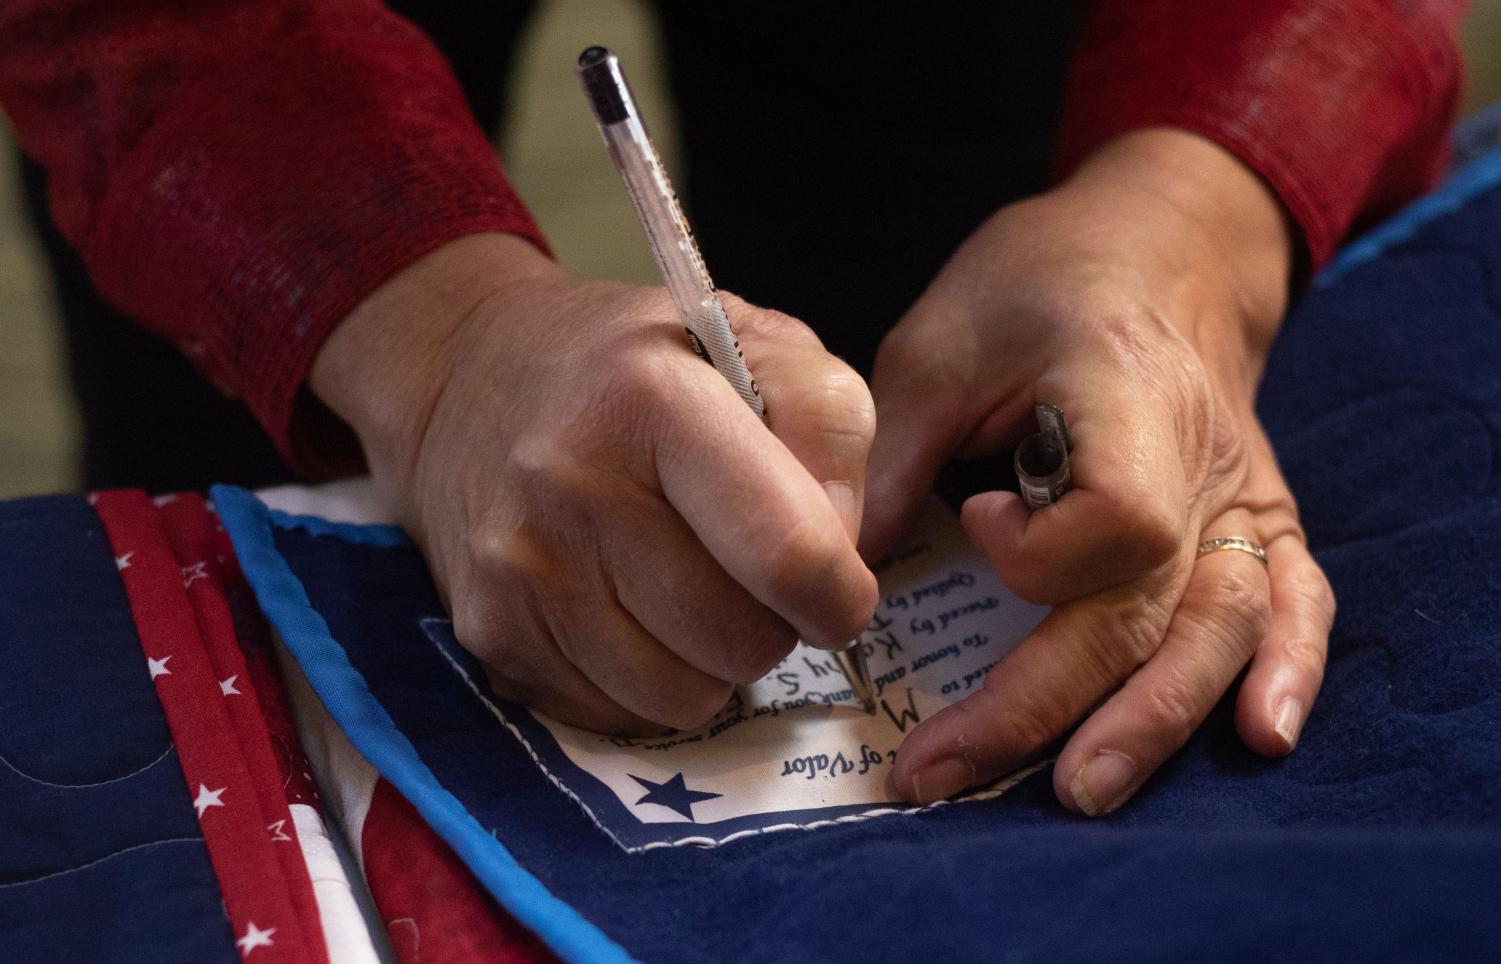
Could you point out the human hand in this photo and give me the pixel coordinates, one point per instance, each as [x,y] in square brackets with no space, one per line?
[619,539]
[1140,297]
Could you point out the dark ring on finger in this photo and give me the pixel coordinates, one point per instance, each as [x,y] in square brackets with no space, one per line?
[1235,543]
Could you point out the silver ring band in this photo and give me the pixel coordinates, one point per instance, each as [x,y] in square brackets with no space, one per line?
[1235,543]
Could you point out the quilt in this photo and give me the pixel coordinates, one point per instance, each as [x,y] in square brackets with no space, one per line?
[1380,837]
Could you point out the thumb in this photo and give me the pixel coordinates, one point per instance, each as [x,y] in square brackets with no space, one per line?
[816,405]
[921,425]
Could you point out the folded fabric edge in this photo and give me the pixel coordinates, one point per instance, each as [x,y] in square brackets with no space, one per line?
[266,891]
[372,731]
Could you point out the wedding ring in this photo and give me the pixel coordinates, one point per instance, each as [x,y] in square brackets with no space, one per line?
[1233,542]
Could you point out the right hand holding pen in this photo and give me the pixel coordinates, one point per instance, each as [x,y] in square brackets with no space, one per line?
[618,538]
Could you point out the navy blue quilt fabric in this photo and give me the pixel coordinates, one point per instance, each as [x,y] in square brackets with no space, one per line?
[101,857]
[1379,838]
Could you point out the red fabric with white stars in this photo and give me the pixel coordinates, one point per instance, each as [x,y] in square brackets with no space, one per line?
[293,771]
[209,651]
[187,638]
[190,531]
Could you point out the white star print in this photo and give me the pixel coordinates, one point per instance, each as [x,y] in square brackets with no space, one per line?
[276,832]
[162,500]
[254,937]
[207,798]
[158,667]
[122,563]
[193,573]
[227,686]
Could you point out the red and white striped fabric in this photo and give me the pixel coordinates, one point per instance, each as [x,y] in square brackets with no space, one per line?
[285,889]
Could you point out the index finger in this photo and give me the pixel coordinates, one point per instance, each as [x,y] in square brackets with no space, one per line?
[1077,655]
[759,511]
[1127,513]
[816,404]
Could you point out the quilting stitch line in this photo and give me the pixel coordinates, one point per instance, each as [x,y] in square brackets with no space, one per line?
[85,786]
[95,863]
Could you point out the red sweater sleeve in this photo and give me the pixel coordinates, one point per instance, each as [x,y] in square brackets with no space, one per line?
[1342,106]
[239,174]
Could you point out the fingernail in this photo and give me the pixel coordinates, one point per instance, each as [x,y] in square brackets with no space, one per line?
[941,779]
[841,496]
[1103,783]
[1289,720]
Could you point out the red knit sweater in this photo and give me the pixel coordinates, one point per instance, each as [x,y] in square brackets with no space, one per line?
[239,174]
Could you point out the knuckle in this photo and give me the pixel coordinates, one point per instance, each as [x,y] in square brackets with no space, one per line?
[902,347]
[755,654]
[505,686]
[1151,526]
[1320,595]
[842,610]
[475,625]
[1031,585]
[597,716]
[576,638]
[1229,463]
[1277,514]
[692,707]
[505,556]
[1032,577]
[906,360]
[1328,604]
[1140,342]
[1022,726]
[1308,588]
[640,384]
[764,323]
[1126,633]
[472,625]
[1139,628]
[546,466]
[838,405]
[1305,654]
[1173,705]
[1237,602]
[804,555]
[1033,729]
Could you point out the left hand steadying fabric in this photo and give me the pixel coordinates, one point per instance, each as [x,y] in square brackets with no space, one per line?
[1140,297]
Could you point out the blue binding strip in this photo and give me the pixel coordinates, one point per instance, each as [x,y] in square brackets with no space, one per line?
[380,536]
[343,691]
[1478,176]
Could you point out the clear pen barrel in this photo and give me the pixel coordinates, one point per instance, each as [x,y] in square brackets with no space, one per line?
[657,207]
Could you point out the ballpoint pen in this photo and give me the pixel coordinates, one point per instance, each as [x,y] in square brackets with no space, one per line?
[680,262]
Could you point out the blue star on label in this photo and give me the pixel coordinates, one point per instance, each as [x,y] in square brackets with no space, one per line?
[674,794]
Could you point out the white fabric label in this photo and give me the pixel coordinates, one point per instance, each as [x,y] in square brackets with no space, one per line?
[795,749]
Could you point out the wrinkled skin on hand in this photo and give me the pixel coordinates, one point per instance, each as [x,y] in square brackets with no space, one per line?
[618,537]
[1140,297]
